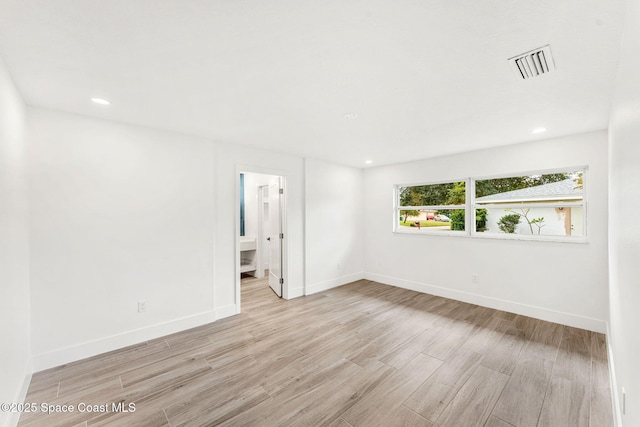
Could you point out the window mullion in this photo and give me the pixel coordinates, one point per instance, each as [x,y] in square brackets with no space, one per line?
[470,198]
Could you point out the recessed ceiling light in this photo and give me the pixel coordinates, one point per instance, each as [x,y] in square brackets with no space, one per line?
[368,161]
[351,116]
[100,101]
[539,130]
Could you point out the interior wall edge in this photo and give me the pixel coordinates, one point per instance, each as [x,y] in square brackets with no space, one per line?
[568,319]
[294,293]
[615,398]
[333,283]
[21,393]
[15,312]
[226,311]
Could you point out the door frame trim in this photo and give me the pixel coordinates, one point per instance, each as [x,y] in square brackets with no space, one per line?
[252,169]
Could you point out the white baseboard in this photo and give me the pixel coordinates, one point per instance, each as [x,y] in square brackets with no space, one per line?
[615,398]
[568,319]
[293,293]
[333,283]
[13,417]
[114,342]
[226,311]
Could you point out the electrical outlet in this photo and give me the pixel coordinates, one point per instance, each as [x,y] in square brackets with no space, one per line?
[475,279]
[142,306]
[338,267]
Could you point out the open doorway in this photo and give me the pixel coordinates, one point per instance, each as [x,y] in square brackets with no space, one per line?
[262,223]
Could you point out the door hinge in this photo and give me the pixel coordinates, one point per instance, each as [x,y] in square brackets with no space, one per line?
[281,235]
[282,191]
[281,281]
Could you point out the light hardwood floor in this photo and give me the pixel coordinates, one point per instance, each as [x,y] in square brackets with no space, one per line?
[363,354]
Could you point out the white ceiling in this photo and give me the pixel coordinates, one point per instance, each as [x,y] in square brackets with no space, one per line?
[425,77]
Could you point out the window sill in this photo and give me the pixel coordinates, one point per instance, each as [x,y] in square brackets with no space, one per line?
[524,237]
[427,232]
[475,235]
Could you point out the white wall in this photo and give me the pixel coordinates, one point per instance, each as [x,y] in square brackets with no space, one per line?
[15,364]
[120,214]
[334,218]
[624,206]
[562,282]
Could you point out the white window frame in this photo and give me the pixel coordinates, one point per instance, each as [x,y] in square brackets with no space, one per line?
[470,207]
[408,230]
[544,238]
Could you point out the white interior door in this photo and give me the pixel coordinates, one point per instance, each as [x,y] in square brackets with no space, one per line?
[275,236]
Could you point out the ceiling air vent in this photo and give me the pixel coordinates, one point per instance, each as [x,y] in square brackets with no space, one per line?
[533,63]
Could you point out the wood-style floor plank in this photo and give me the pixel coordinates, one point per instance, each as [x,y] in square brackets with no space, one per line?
[601,404]
[504,354]
[362,354]
[545,341]
[494,421]
[565,405]
[388,397]
[404,352]
[521,402]
[400,416]
[472,406]
[432,396]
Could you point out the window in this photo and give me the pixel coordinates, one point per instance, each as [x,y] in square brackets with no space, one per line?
[432,207]
[548,205]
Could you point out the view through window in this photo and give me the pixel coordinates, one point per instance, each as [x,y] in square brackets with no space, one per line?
[532,205]
[542,205]
[435,207]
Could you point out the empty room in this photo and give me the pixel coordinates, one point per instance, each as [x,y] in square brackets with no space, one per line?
[337,213]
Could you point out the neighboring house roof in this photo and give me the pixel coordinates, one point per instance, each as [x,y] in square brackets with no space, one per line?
[555,191]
